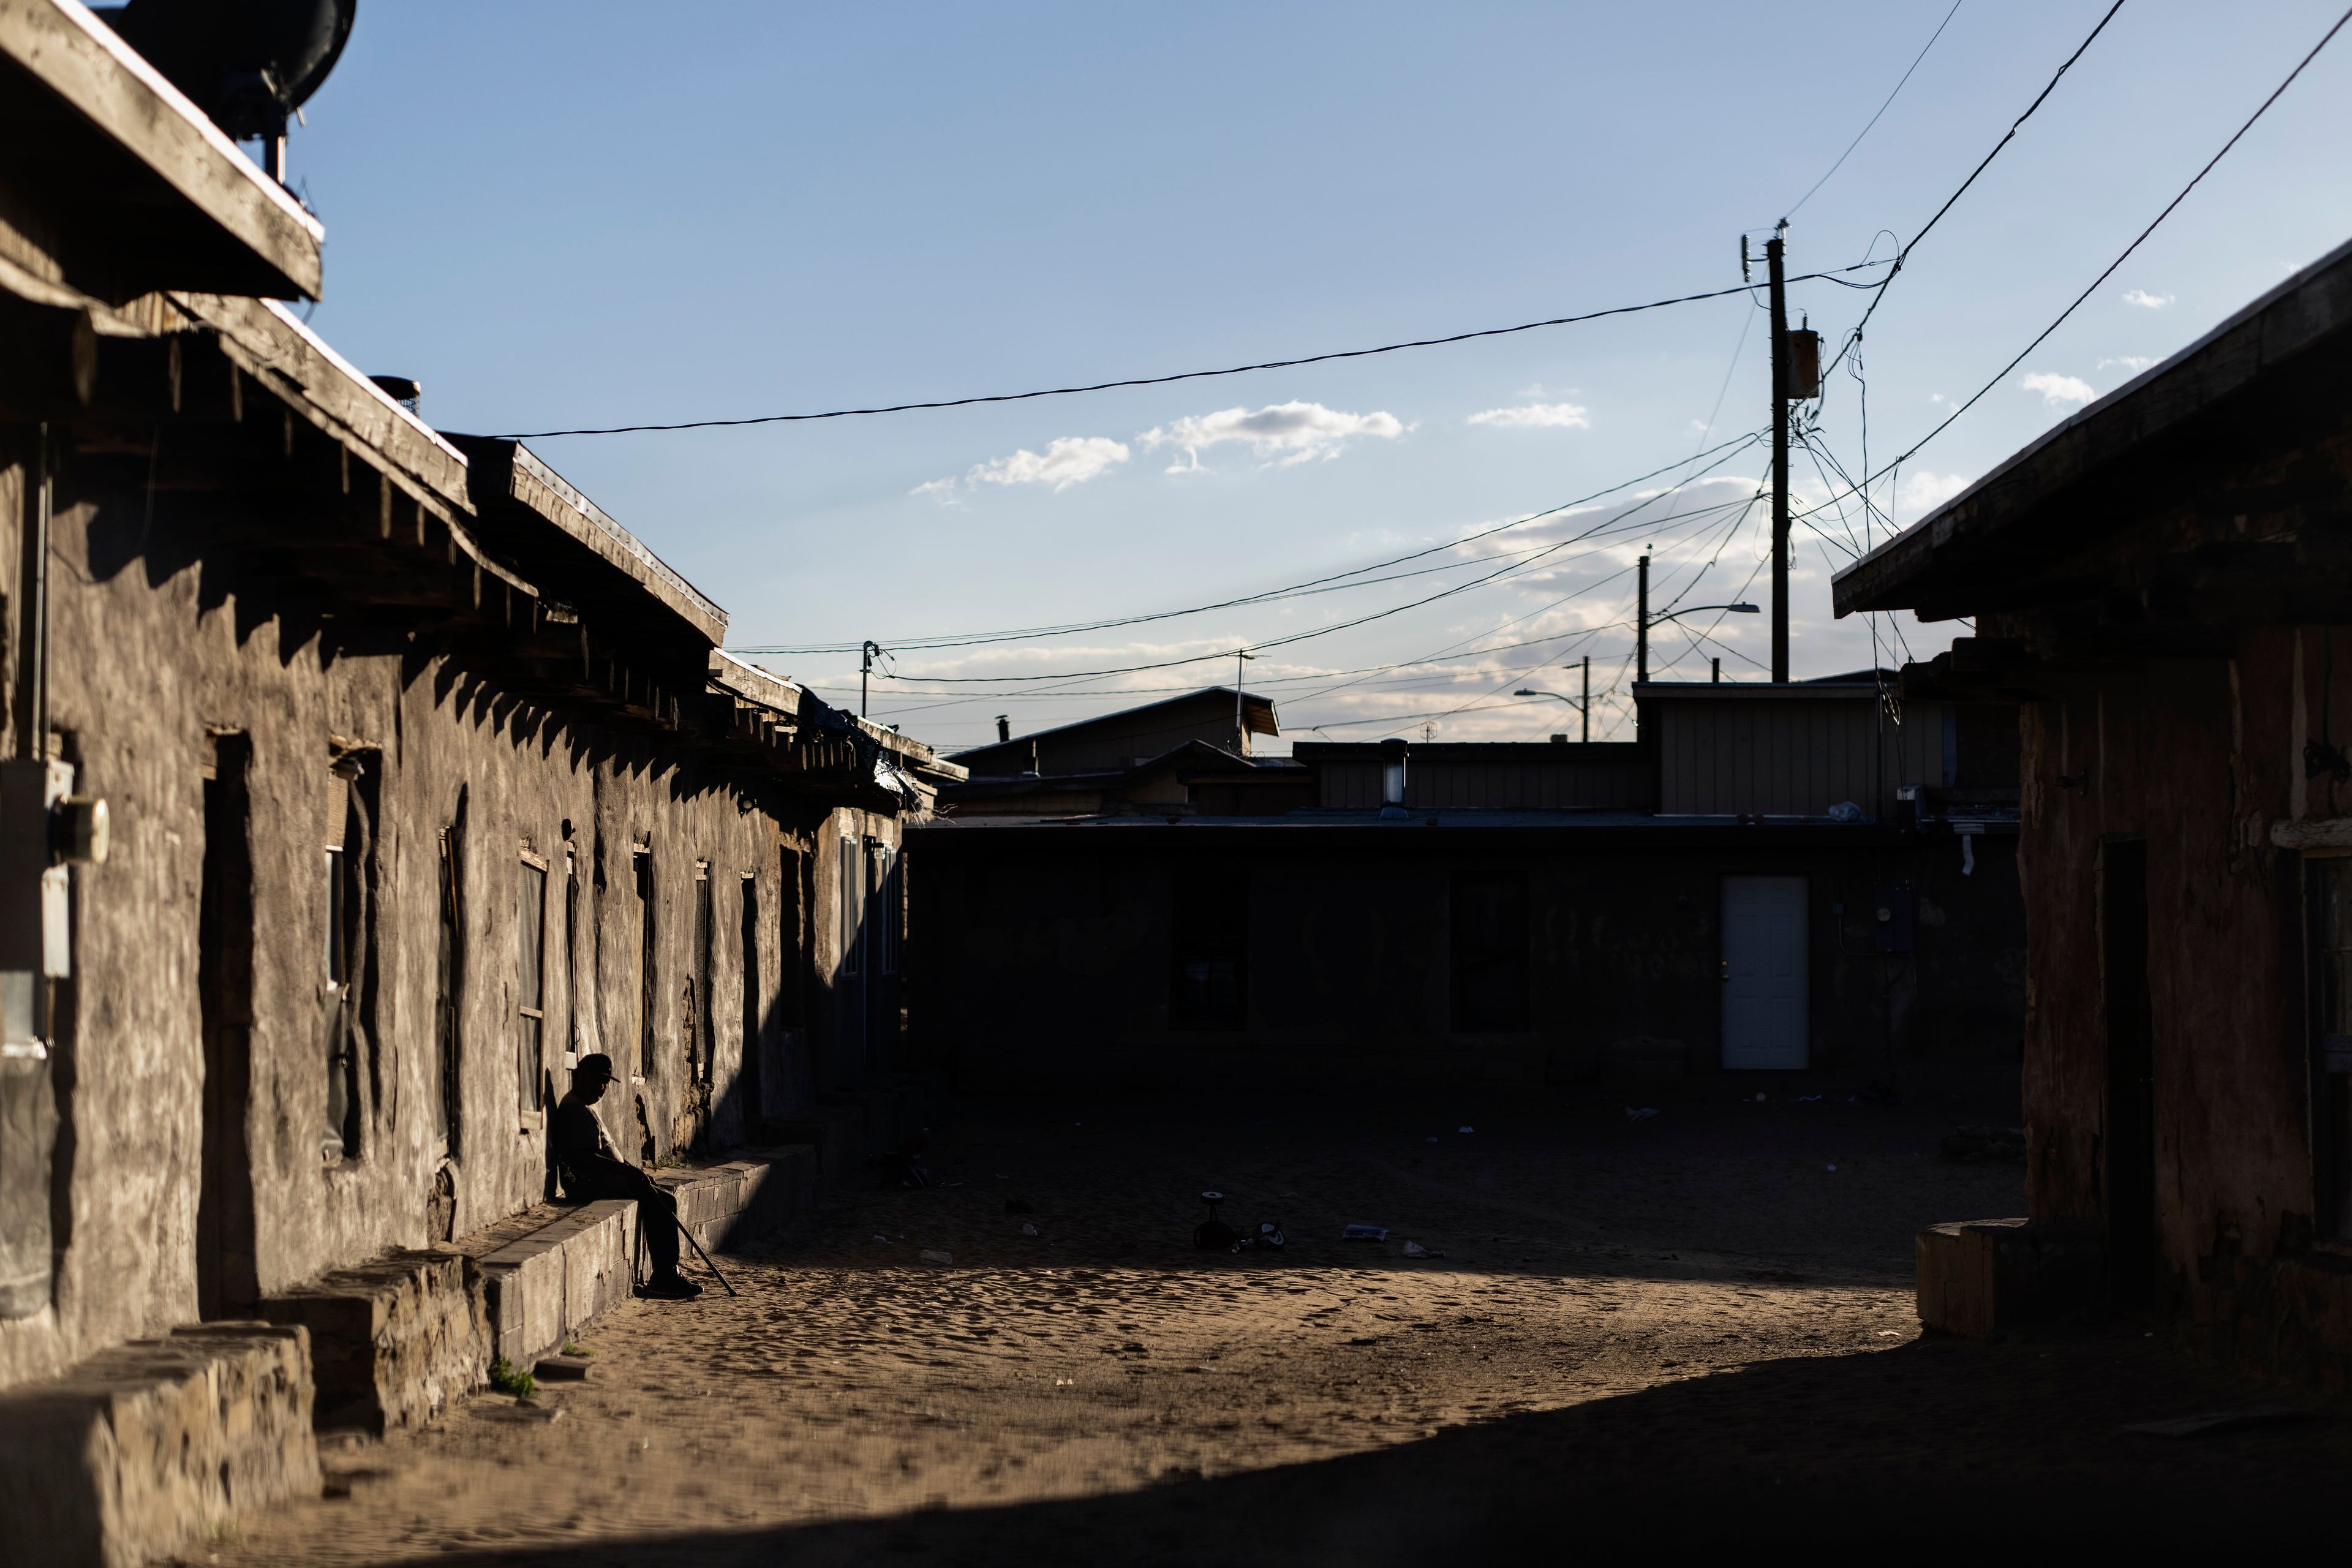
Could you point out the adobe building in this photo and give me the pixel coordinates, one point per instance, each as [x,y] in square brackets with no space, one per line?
[2164,582]
[358,780]
[1809,876]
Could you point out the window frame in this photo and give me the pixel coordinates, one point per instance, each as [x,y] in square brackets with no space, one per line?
[530,977]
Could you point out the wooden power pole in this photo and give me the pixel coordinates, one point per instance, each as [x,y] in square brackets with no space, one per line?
[1780,455]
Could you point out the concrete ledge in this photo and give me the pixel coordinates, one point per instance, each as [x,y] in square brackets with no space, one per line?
[143,1448]
[744,1198]
[392,1341]
[1981,1278]
[570,1270]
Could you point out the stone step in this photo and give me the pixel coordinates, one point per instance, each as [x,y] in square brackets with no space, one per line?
[156,1443]
[392,1342]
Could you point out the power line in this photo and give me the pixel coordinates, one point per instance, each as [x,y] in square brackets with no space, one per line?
[1883,108]
[1031,634]
[1904,254]
[1835,274]
[2039,338]
[1316,632]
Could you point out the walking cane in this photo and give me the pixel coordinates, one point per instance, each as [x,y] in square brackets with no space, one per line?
[699,1252]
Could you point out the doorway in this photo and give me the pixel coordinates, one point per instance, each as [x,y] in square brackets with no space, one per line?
[228,1277]
[2130,1173]
[1764,962]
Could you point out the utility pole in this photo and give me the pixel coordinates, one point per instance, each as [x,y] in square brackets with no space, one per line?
[1772,248]
[1241,731]
[1586,706]
[1642,622]
[865,658]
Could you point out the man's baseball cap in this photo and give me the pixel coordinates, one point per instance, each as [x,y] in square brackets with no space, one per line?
[598,1065]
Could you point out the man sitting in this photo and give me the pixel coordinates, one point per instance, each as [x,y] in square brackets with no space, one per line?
[590,1170]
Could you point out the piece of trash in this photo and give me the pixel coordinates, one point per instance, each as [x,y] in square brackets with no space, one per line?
[1890,1333]
[2221,1421]
[932,1254]
[1433,1139]
[1643,1114]
[1833,1167]
[1415,1249]
[1028,1229]
[884,1239]
[1966,1145]
[1808,1099]
[1465,1129]
[1759,1097]
[1365,1232]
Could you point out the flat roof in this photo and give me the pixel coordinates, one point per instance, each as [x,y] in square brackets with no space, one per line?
[150,192]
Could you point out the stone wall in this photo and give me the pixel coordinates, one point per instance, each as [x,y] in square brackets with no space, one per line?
[153,1444]
[177,657]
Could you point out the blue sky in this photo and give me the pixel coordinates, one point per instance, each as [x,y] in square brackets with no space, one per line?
[559,214]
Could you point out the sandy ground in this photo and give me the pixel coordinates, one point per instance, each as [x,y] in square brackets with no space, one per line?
[1691,1327]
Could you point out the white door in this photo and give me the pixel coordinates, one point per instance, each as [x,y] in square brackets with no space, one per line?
[1764,1014]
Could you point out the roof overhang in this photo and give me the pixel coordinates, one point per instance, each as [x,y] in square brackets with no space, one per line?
[2191,431]
[129,187]
[519,495]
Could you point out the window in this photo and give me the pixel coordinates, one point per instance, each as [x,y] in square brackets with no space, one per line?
[793,940]
[850,890]
[883,918]
[571,959]
[648,971]
[338,921]
[701,1040]
[2330,926]
[1211,927]
[1489,920]
[447,968]
[531,983]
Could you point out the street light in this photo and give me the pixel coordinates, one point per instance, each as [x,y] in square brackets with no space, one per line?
[1582,705]
[1644,621]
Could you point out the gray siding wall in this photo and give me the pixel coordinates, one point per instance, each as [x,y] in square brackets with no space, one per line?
[1792,757]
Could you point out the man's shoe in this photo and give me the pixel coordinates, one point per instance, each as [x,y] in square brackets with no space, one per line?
[677,1288]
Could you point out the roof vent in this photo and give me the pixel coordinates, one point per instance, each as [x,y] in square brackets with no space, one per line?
[403,390]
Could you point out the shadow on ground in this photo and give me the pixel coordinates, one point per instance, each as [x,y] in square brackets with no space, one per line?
[1926,1450]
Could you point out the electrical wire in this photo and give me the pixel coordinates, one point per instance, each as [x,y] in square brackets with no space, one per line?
[1031,634]
[1834,274]
[1883,108]
[1904,255]
[2109,271]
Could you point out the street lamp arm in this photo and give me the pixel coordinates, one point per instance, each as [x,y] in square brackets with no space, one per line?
[1660,620]
[1530,691]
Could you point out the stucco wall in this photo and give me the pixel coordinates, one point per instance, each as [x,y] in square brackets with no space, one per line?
[158,653]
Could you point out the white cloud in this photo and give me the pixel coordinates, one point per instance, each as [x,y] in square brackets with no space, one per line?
[2134,362]
[1536,417]
[1291,432]
[2147,301]
[1924,491]
[1068,461]
[2060,391]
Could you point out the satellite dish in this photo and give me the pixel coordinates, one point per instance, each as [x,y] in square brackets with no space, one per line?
[247,64]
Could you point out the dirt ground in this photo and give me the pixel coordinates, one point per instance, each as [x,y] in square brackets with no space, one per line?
[1690,1327]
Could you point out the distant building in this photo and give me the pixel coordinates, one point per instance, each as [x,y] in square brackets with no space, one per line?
[2163,583]
[1812,876]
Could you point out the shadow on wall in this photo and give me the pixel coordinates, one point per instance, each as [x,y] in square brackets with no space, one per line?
[1980,1445]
